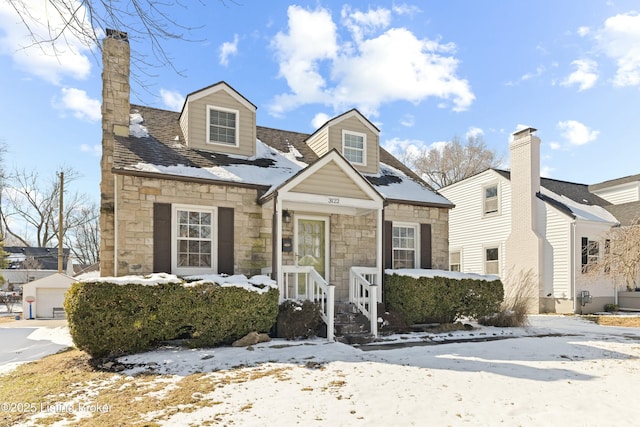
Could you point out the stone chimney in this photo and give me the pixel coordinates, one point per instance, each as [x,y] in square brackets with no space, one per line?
[524,244]
[115,122]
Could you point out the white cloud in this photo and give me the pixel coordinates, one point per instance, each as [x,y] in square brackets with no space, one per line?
[67,56]
[577,133]
[539,71]
[228,49]
[584,31]
[319,119]
[172,99]
[408,120]
[546,171]
[619,38]
[377,65]
[95,150]
[585,75]
[79,104]
[555,146]
[404,149]
[474,132]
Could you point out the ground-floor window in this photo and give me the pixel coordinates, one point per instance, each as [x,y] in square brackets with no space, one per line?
[590,253]
[193,239]
[405,238]
[454,261]
[491,260]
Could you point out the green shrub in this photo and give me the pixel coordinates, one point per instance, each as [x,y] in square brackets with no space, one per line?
[113,319]
[611,308]
[298,319]
[441,299]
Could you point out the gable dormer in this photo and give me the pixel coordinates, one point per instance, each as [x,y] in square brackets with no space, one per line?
[353,136]
[219,119]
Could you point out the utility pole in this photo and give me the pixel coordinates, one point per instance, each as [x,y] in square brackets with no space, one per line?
[60,224]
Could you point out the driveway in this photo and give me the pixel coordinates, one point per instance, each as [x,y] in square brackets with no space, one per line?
[27,340]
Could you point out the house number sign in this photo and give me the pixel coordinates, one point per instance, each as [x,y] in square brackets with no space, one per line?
[334,201]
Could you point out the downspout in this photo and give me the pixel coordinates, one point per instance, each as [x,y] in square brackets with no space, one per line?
[572,269]
[115,225]
[379,252]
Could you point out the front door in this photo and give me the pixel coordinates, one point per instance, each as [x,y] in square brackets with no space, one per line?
[312,244]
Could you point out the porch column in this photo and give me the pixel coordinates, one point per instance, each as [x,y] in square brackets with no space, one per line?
[379,252]
[277,234]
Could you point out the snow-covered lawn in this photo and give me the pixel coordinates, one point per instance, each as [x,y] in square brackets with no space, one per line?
[559,371]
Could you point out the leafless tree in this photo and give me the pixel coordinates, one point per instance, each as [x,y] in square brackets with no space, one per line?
[30,207]
[445,165]
[621,257]
[84,240]
[69,22]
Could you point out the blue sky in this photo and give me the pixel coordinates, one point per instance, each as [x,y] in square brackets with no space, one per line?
[422,71]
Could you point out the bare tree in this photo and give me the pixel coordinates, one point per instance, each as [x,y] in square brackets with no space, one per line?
[30,207]
[621,257]
[69,22]
[455,161]
[84,240]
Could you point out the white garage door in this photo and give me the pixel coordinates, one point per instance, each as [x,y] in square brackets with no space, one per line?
[46,299]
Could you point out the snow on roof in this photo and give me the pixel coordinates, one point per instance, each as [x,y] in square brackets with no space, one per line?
[136,128]
[417,273]
[580,210]
[282,167]
[394,184]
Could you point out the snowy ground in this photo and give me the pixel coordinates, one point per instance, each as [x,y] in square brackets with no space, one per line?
[559,371]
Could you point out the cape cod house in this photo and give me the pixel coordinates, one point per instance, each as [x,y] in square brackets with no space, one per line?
[512,222]
[206,190]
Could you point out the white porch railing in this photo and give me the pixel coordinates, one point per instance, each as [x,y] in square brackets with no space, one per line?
[304,282]
[365,293]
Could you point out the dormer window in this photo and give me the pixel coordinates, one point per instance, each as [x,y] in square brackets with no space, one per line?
[354,147]
[222,126]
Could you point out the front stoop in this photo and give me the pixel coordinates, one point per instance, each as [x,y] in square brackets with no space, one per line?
[351,326]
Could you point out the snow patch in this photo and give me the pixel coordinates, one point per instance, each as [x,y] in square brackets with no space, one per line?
[417,273]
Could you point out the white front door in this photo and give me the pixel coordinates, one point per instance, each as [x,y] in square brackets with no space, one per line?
[312,243]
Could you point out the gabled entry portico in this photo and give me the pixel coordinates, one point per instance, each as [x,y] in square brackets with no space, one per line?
[333,192]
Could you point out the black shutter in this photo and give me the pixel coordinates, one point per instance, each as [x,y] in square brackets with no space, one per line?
[387,244]
[162,238]
[425,245]
[225,241]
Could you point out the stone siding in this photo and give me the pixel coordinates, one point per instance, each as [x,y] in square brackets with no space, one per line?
[439,220]
[137,195]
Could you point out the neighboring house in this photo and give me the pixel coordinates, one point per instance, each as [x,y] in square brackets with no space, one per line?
[26,264]
[206,190]
[511,222]
[44,298]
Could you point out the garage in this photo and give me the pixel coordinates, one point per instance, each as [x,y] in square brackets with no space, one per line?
[47,296]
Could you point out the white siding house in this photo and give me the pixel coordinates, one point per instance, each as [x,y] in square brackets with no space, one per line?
[552,229]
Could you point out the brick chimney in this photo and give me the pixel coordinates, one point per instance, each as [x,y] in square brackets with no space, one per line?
[115,122]
[524,244]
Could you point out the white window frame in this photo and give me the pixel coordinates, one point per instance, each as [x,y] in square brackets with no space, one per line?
[459,263]
[416,249]
[237,129]
[485,200]
[485,261]
[182,271]
[346,132]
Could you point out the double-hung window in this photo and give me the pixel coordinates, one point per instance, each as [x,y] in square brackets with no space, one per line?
[590,253]
[454,261]
[222,126]
[491,260]
[405,246]
[490,199]
[354,147]
[193,239]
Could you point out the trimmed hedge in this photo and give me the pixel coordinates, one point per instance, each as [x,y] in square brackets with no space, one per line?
[115,319]
[441,299]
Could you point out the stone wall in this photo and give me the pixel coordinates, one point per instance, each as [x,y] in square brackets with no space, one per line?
[439,220]
[135,199]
